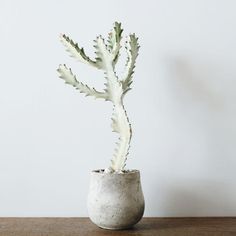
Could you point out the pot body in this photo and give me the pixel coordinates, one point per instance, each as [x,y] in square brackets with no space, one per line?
[115,200]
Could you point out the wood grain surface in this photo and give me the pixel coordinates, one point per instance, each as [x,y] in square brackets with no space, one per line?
[147,227]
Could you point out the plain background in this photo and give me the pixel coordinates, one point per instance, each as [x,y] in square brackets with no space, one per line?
[182,106]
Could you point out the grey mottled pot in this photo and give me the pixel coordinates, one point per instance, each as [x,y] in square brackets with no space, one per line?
[115,200]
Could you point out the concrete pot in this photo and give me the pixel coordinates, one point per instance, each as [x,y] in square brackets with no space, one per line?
[115,200]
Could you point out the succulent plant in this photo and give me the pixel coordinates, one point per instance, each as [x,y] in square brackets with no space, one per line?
[107,54]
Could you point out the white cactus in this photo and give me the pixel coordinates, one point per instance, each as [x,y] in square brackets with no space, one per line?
[115,88]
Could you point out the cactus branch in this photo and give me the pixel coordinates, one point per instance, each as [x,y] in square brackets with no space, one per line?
[114,39]
[132,48]
[103,54]
[69,78]
[115,89]
[77,52]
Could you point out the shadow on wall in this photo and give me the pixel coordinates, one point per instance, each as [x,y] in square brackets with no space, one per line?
[196,83]
[199,198]
[205,98]
[202,96]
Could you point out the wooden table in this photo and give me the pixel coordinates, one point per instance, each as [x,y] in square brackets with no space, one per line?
[147,227]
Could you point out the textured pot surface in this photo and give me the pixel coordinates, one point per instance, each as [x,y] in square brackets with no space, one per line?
[115,200]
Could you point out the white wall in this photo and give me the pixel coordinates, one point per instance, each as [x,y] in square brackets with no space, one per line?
[182,106]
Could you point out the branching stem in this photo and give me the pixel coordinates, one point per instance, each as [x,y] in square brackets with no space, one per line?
[115,88]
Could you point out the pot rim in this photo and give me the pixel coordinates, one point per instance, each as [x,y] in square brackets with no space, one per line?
[126,172]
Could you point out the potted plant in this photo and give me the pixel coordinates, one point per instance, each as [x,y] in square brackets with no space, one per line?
[115,199]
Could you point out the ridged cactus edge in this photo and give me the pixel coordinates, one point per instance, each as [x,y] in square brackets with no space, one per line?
[107,54]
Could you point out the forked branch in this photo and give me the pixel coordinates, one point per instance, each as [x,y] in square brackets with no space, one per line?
[115,88]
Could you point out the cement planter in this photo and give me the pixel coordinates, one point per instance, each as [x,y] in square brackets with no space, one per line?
[115,200]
